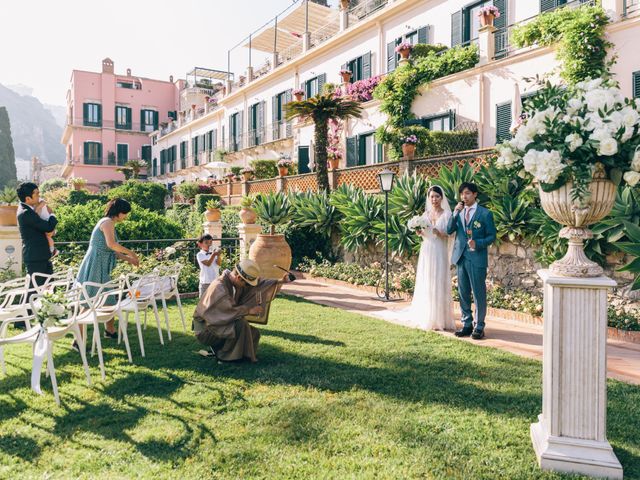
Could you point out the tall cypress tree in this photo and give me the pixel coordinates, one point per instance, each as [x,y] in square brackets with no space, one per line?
[7,154]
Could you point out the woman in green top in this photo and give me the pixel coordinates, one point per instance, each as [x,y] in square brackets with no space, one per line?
[103,251]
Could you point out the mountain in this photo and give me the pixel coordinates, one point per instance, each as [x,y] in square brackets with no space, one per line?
[33,127]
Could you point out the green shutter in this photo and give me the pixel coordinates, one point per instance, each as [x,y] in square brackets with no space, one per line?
[287,98]
[99,115]
[129,117]
[142,123]
[362,150]
[423,35]
[155,120]
[635,82]
[546,5]
[503,122]
[456,28]
[391,56]
[366,66]
[85,114]
[352,151]
[380,152]
[322,79]
[86,151]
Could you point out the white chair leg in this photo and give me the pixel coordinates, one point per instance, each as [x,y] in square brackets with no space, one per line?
[184,325]
[83,352]
[139,328]
[155,312]
[52,372]
[96,338]
[122,331]
[166,317]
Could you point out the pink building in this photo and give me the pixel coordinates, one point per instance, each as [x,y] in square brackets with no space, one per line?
[109,118]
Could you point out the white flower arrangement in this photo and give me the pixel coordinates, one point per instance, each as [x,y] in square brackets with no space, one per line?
[418,223]
[53,308]
[169,251]
[570,130]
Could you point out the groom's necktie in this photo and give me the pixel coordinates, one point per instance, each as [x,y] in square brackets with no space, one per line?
[467,216]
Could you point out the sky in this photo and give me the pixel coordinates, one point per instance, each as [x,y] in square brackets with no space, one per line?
[42,41]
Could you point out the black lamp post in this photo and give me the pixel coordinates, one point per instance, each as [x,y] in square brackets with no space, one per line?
[385,177]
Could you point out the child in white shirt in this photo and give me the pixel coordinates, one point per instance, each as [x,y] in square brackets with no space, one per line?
[208,261]
[44,215]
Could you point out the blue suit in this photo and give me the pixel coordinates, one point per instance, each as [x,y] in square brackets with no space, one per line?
[472,265]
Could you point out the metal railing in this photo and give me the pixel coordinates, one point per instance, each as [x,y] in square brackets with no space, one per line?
[630,8]
[109,160]
[324,33]
[363,9]
[290,53]
[132,126]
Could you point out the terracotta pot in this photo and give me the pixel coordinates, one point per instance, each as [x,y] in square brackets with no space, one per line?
[77,186]
[346,77]
[576,218]
[283,171]
[408,150]
[247,176]
[334,163]
[8,215]
[487,19]
[299,96]
[269,250]
[404,53]
[248,216]
[344,4]
[212,214]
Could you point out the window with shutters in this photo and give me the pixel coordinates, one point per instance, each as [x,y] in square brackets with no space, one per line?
[93,153]
[183,154]
[145,153]
[635,84]
[163,162]
[503,122]
[194,150]
[122,153]
[256,124]
[442,122]
[92,115]
[235,132]
[547,5]
[123,117]
[172,114]
[364,150]
[360,67]
[419,36]
[148,120]
[471,23]
[313,86]
[154,169]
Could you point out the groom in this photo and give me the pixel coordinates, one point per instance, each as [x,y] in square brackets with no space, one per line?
[475,231]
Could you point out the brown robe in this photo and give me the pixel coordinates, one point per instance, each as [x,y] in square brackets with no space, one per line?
[219,317]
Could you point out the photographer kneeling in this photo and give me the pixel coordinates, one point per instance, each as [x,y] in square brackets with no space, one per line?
[219,320]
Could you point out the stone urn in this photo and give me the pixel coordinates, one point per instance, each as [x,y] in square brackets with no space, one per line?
[8,216]
[270,250]
[576,218]
[248,216]
[408,150]
[212,214]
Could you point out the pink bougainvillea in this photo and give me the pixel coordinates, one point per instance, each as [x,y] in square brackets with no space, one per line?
[362,90]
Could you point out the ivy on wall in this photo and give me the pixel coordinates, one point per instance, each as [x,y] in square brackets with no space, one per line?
[579,34]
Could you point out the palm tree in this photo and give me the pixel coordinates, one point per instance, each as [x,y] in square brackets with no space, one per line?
[132,168]
[322,108]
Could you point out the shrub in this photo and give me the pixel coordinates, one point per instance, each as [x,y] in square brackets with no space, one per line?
[79,197]
[58,197]
[147,194]
[264,169]
[423,49]
[230,219]
[52,184]
[236,170]
[185,215]
[188,190]
[201,201]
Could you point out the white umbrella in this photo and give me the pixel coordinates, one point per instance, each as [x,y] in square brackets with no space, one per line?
[516,108]
[217,165]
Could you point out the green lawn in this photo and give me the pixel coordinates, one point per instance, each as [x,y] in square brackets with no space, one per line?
[334,395]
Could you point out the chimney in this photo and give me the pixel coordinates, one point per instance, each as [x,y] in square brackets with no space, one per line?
[107,65]
[171,78]
[128,72]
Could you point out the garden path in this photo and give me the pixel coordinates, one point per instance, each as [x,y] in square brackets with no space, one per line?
[623,358]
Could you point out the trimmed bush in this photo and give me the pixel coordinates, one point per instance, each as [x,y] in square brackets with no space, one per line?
[79,197]
[188,190]
[201,200]
[265,169]
[52,184]
[149,195]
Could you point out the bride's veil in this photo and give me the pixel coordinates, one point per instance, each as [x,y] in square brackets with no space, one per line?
[447,212]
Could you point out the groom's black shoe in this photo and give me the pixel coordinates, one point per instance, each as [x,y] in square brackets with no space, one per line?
[464,332]
[477,334]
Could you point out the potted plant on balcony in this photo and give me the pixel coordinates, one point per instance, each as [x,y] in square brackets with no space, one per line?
[409,146]
[8,207]
[577,144]
[404,49]
[212,212]
[77,183]
[272,249]
[247,173]
[334,155]
[488,14]
[345,75]
[229,176]
[247,213]
[283,166]
[344,4]
[299,94]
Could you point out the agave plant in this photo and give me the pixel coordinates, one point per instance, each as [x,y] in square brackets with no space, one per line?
[313,211]
[512,216]
[8,196]
[273,209]
[551,246]
[402,240]
[450,180]
[408,196]
[632,247]
[343,195]
[361,215]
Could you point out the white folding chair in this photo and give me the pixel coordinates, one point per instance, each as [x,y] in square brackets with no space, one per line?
[167,288]
[59,281]
[14,298]
[140,291]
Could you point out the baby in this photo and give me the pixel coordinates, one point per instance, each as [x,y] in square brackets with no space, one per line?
[45,214]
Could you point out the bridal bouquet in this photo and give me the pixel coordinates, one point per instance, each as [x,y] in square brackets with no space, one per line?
[418,223]
[569,131]
[54,307]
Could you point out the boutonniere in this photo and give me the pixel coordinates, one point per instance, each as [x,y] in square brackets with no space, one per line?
[476,224]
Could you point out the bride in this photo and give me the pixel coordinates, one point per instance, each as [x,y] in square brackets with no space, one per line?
[432,307]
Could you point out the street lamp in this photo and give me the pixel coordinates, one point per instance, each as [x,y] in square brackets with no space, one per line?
[385,177]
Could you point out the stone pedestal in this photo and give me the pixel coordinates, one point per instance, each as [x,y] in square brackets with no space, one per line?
[486,44]
[571,434]
[215,230]
[248,235]
[11,248]
[344,19]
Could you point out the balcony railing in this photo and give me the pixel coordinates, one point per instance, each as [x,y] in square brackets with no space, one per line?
[133,126]
[363,9]
[108,161]
[253,138]
[631,8]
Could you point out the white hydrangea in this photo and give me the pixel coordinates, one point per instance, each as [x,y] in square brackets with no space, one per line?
[507,158]
[545,165]
[632,178]
[630,116]
[574,140]
[608,147]
[574,105]
[635,163]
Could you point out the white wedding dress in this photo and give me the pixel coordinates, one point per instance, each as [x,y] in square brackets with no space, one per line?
[432,304]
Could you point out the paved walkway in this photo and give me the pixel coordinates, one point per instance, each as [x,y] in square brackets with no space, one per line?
[623,359]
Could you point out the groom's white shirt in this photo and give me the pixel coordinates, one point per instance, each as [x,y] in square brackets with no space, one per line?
[472,212]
